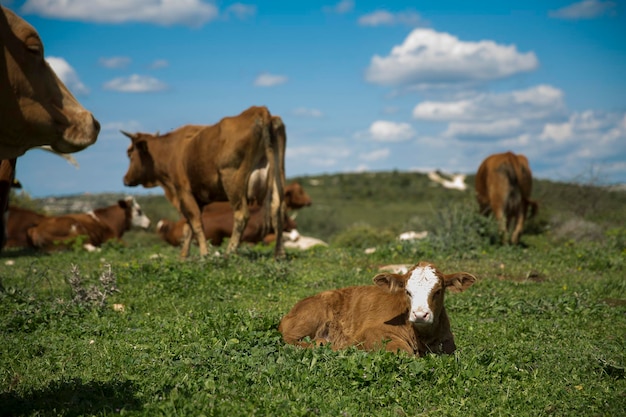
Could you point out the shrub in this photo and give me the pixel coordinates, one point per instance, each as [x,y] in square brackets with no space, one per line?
[455,229]
[361,236]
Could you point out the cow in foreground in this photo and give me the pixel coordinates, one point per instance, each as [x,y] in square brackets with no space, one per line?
[401,312]
[503,187]
[217,223]
[215,164]
[36,107]
[94,227]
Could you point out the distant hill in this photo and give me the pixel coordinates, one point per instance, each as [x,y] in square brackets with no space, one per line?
[394,201]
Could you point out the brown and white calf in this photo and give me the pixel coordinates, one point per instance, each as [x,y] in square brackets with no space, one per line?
[95,227]
[401,312]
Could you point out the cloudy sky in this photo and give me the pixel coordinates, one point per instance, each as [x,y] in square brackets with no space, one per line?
[361,85]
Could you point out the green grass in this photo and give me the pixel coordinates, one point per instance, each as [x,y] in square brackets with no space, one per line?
[542,332]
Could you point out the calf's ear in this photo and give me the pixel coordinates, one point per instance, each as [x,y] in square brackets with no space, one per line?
[459,281]
[393,282]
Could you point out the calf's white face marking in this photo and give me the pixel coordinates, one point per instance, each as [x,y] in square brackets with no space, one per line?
[419,288]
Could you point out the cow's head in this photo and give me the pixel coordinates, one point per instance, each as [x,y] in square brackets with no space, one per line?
[135,215]
[36,107]
[296,197]
[141,164]
[424,286]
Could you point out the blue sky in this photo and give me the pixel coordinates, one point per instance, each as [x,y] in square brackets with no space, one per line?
[361,85]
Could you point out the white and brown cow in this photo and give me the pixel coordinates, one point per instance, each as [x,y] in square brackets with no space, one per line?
[503,187]
[215,164]
[217,223]
[36,107]
[94,227]
[401,312]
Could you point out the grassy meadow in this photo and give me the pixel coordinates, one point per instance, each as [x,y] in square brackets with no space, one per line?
[133,330]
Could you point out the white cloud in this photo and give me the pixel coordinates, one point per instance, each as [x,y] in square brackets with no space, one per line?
[427,58]
[375,155]
[160,12]
[241,11]
[269,80]
[386,131]
[484,130]
[324,156]
[68,75]
[135,84]
[539,102]
[159,63]
[586,9]
[386,18]
[344,6]
[114,61]
[307,112]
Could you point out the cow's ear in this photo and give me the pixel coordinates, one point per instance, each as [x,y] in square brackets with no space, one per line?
[459,281]
[392,282]
[122,203]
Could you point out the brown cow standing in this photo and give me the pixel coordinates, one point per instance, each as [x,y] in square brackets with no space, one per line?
[214,165]
[18,222]
[401,312]
[217,223]
[95,227]
[36,107]
[503,187]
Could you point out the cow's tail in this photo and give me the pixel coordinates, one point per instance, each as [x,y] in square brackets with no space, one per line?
[276,157]
[265,126]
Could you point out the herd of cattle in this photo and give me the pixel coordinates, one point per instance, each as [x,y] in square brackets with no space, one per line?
[228,180]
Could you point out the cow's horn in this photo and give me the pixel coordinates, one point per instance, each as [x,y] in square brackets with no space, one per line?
[130,135]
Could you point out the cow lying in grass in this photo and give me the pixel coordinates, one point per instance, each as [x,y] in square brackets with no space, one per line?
[92,228]
[401,312]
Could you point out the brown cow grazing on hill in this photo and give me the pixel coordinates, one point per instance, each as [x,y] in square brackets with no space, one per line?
[19,220]
[36,107]
[402,312]
[215,165]
[503,187]
[95,227]
[217,222]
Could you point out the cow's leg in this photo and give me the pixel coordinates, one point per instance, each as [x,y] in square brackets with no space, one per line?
[241,214]
[518,226]
[187,238]
[193,214]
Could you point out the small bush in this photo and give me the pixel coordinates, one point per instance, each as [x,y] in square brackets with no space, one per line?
[363,236]
[459,230]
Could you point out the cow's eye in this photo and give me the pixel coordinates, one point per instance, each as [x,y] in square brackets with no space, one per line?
[436,294]
[34,45]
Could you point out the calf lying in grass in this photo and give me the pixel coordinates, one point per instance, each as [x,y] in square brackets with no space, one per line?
[401,312]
